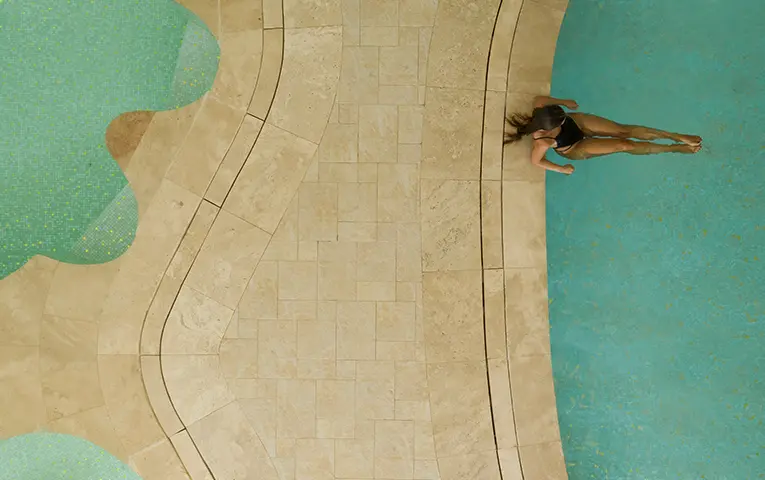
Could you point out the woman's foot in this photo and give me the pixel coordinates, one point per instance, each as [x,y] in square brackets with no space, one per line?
[687,148]
[690,140]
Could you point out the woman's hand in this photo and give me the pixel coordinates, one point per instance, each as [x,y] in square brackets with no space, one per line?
[571,105]
[567,169]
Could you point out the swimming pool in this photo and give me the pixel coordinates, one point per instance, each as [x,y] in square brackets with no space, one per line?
[656,263]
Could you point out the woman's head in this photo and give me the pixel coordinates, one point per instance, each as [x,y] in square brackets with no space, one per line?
[543,118]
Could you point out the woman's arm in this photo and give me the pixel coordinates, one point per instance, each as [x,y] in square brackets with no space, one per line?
[538,158]
[543,101]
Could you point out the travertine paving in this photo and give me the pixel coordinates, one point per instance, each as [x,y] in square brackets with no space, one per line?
[338,272]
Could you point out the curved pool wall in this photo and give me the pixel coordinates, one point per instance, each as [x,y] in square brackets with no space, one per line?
[68,69]
[657,264]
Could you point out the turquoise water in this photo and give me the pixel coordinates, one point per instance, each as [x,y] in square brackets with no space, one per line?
[67,69]
[657,264]
[53,456]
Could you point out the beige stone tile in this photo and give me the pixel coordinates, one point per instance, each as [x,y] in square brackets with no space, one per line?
[298,310]
[394,439]
[239,356]
[460,408]
[544,461]
[317,212]
[354,458]
[398,65]
[376,291]
[206,10]
[260,299]
[426,470]
[284,243]
[261,413]
[406,291]
[502,403]
[308,85]
[228,259]
[536,417]
[237,72]
[516,161]
[196,324]
[357,202]
[359,75]
[239,15]
[351,22]
[493,136]
[244,388]
[158,397]
[395,321]
[315,459]
[528,328]
[338,172]
[339,145]
[368,173]
[451,227]
[273,14]
[374,391]
[408,252]
[94,425]
[379,36]
[396,351]
[491,218]
[310,13]
[502,45]
[417,13]
[396,468]
[335,417]
[270,177]
[460,44]
[129,408]
[234,160]
[523,224]
[411,381]
[494,313]
[196,385]
[312,369]
[398,95]
[356,330]
[69,369]
[480,466]
[453,316]
[190,456]
[397,193]
[410,118]
[201,153]
[297,280]
[378,13]
[423,42]
[451,137]
[376,262]
[424,446]
[534,48]
[413,410]
[22,302]
[20,391]
[409,35]
[296,409]
[510,464]
[378,132]
[231,447]
[270,71]
[348,113]
[158,461]
[316,340]
[78,292]
[142,266]
[277,349]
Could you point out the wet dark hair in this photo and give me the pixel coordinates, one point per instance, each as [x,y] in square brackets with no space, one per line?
[542,118]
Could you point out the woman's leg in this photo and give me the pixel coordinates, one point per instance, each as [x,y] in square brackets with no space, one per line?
[603,127]
[597,147]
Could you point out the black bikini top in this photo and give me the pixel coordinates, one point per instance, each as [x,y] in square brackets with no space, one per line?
[570,134]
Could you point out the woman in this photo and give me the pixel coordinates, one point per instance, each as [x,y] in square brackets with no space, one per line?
[578,136]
